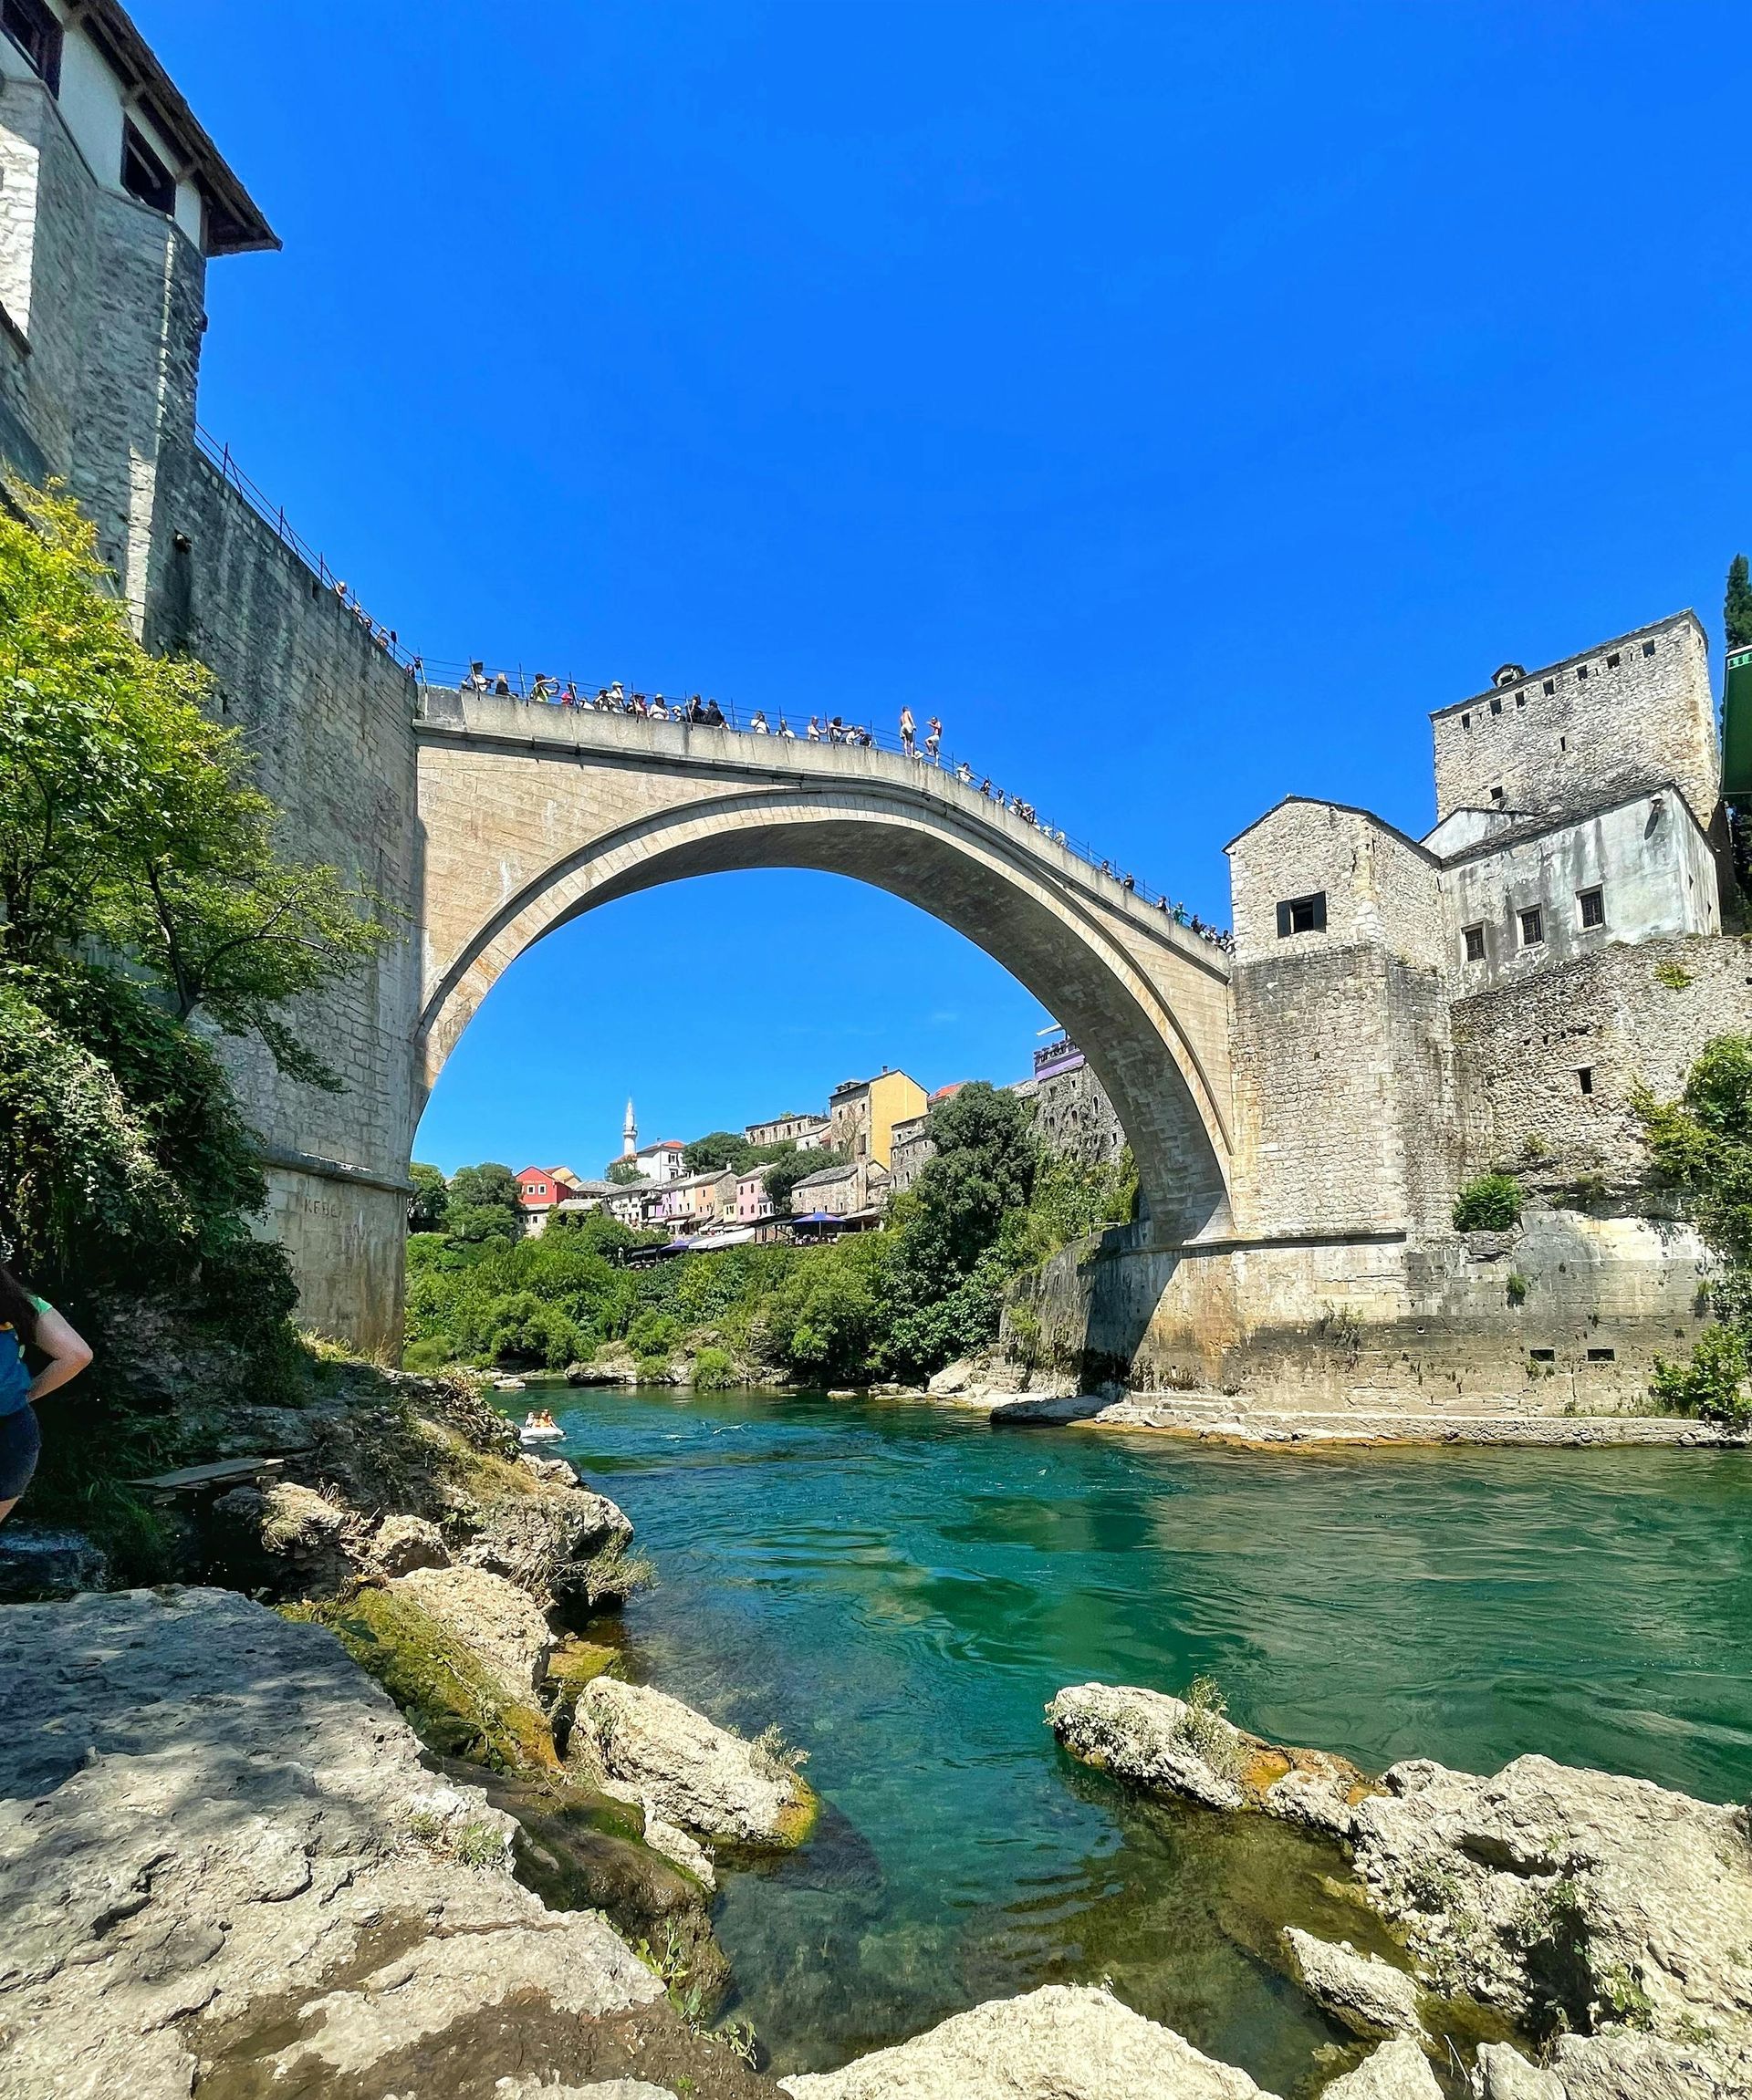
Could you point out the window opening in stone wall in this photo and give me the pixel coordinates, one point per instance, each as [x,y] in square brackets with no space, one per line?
[143,174]
[1495,707]
[1550,685]
[1648,648]
[1563,743]
[1582,675]
[1593,906]
[37,35]
[1543,1356]
[1602,1356]
[1532,926]
[1585,1078]
[1466,721]
[1474,937]
[1302,915]
[1497,796]
[1520,700]
[1612,663]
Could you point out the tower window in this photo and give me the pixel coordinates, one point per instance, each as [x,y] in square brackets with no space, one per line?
[1466,721]
[1648,648]
[1550,685]
[1593,906]
[1474,937]
[1532,926]
[1497,796]
[1495,707]
[1612,663]
[1302,915]
[1582,675]
[37,35]
[144,175]
[1585,1078]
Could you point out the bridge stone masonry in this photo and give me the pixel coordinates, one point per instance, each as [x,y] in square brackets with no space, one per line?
[531,815]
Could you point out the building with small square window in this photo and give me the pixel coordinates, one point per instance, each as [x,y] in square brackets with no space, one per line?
[1577,816]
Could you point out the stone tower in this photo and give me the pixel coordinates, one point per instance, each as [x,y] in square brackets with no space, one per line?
[629,1133]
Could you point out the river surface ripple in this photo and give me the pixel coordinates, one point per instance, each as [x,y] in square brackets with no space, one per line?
[901,1587]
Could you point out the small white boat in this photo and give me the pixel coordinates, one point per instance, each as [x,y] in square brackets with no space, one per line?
[540,1430]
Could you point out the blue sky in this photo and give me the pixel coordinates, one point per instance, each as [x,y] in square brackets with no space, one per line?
[1181,400]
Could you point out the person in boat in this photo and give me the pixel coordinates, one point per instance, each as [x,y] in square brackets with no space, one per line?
[28,1322]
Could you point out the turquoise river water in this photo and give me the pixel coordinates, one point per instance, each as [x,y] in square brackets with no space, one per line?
[901,1587]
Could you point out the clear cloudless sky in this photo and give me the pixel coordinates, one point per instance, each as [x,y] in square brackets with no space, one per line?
[1181,400]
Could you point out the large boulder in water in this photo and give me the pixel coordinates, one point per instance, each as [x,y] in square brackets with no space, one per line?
[641,1745]
[1060,2042]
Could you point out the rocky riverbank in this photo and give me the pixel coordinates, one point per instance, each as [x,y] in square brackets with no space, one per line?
[1606,1921]
[514,1827]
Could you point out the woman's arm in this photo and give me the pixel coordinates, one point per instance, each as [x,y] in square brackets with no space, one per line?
[68,1354]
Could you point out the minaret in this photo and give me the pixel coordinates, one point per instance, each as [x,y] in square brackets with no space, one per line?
[629,1133]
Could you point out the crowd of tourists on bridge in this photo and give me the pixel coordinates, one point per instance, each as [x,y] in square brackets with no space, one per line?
[820,729]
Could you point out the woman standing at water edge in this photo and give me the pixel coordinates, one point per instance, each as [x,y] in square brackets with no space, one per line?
[28,1322]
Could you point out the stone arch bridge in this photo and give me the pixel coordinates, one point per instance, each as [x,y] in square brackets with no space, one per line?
[530,814]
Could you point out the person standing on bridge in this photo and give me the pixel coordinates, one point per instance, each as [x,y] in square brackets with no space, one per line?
[908,729]
[757,727]
[934,739]
[28,1323]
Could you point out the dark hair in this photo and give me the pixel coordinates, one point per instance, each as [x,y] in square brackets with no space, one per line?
[17,1308]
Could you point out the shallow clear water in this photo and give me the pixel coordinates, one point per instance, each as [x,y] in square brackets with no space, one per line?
[901,1587]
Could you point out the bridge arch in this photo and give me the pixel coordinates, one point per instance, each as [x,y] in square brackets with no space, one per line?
[531,818]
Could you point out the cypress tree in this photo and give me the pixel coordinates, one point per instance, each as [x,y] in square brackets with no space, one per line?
[1737,610]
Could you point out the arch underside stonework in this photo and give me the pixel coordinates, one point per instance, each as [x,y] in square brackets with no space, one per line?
[525,831]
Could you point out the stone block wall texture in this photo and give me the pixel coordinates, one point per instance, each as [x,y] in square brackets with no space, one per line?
[1624,717]
[328,720]
[1625,1014]
[1370,1326]
[1344,1093]
[1074,1120]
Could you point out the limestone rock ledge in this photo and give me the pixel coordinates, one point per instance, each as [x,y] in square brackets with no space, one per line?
[221,1859]
[1607,1914]
[1060,2042]
[1153,1739]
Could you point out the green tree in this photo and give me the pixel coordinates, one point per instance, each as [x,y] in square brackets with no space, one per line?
[489,1187]
[624,1173]
[717,1149]
[429,1201]
[1702,1143]
[1737,610]
[949,1272]
[141,890]
[129,822]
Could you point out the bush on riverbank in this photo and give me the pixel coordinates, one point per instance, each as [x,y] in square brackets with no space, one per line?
[894,1305]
